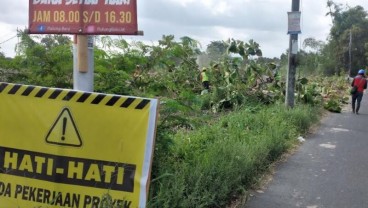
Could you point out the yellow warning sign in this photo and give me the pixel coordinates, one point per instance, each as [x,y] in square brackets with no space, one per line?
[67,148]
[64,131]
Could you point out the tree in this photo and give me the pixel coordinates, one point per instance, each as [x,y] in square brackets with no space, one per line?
[313,44]
[345,22]
[216,50]
[47,62]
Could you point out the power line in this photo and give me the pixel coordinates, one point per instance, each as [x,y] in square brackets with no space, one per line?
[6,35]
[8,39]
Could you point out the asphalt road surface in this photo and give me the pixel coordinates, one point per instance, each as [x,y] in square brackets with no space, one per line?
[329,170]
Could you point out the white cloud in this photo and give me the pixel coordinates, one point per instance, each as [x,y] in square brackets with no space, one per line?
[264,21]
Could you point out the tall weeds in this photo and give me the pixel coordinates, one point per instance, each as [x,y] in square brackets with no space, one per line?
[207,167]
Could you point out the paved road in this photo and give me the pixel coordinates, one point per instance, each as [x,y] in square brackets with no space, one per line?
[330,170]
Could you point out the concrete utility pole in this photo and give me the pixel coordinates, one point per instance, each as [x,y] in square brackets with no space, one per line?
[350,44]
[293,43]
[83,67]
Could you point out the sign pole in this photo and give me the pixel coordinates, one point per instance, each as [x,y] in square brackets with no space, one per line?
[83,63]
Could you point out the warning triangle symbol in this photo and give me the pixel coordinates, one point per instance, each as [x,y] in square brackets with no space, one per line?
[64,132]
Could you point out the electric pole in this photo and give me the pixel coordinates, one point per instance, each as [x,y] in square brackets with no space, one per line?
[293,50]
[350,45]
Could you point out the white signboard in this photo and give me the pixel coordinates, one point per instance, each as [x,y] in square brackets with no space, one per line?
[294,23]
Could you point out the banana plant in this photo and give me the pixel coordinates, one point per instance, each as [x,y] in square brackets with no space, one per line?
[245,50]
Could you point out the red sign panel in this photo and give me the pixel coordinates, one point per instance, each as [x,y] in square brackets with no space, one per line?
[94,17]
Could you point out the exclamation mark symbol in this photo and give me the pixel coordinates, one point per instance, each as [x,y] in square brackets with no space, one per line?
[64,128]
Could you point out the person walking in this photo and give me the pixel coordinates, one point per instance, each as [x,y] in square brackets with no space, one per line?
[205,79]
[361,84]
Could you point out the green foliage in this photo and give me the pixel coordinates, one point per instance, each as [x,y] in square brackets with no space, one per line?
[312,94]
[196,172]
[209,147]
[335,93]
[235,79]
[47,62]
[112,81]
[350,21]
[8,73]
[333,105]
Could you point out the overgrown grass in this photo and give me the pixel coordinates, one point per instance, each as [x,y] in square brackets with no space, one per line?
[209,166]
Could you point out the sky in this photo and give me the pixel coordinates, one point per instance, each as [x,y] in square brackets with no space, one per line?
[264,21]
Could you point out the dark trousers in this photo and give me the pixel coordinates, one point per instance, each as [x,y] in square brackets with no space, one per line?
[356,98]
[206,85]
